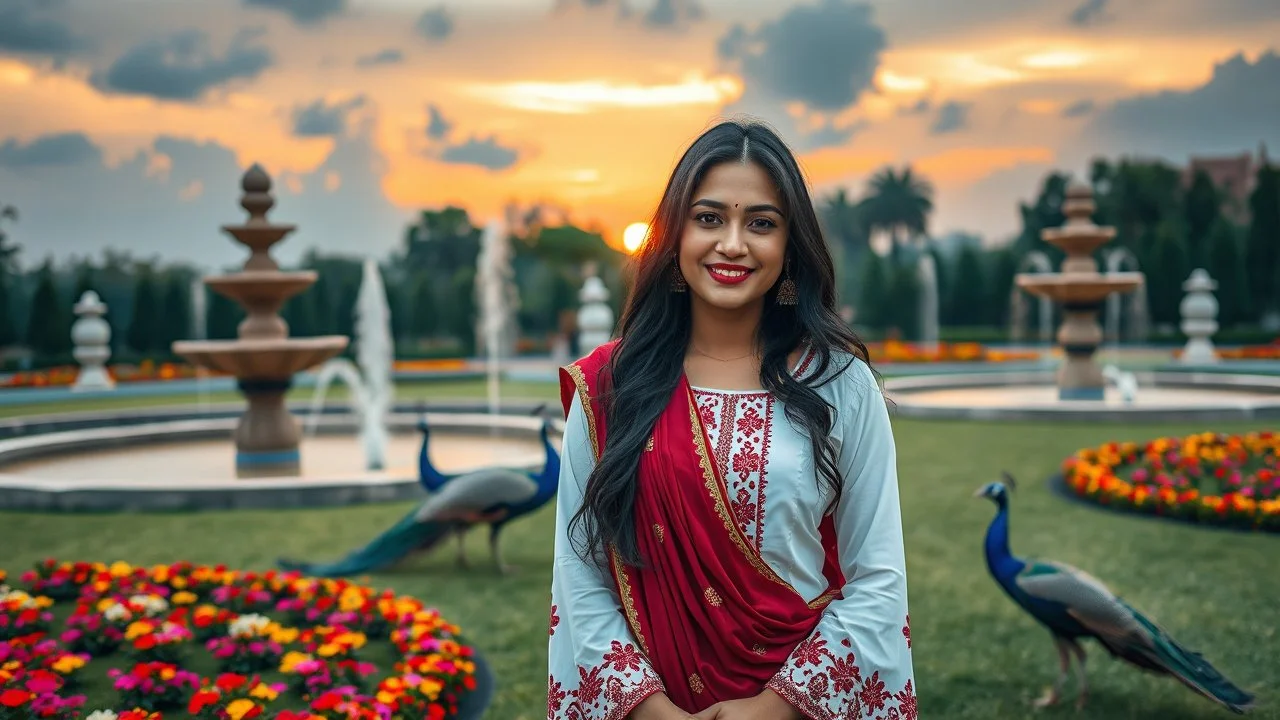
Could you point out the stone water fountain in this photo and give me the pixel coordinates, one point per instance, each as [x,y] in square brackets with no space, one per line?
[263,358]
[1081,290]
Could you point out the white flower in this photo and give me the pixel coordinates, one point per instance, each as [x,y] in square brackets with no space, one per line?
[102,715]
[152,605]
[116,613]
[23,599]
[250,625]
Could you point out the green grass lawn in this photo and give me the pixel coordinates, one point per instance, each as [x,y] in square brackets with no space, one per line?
[976,654]
[405,392]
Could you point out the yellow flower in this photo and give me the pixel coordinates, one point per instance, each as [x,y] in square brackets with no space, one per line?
[120,569]
[160,573]
[167,673]
[237,709]
[184,598]
[67,663]
[138,629]
[291,660]
[178,582]
[284,635]
[430,688]
[328,650]
[264,691]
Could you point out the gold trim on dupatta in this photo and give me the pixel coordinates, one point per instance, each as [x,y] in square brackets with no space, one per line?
[584,395]
[621,579]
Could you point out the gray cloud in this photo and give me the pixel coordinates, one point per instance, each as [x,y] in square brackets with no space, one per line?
[1234,111]
[952,117]
[824,56]
[36,26]
[920,107]
[672,13]
[303,12]
[1079,108]
[437,126]
[319,119]
[62,149]
[1088,13]
[388,56]
[197,192]
[485,152]
[181,66]
[435,23]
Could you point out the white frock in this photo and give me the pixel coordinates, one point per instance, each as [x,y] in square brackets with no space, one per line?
[857,661]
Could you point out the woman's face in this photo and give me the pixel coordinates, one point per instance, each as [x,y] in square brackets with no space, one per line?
[734,240]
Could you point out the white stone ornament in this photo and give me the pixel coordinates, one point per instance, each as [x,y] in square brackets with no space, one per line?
[1199,310]
[595,317]
[91,336]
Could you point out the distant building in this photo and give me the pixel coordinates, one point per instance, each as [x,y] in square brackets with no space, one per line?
[1233,176]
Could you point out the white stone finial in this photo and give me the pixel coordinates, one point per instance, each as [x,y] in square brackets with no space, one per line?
[595,317]
[1199,310]
[91,336]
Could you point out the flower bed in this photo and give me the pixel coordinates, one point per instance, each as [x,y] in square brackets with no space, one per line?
[285,647]
[64,375]
[1211,478]
[898,351]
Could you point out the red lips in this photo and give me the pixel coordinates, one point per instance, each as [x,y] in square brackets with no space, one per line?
[727,274]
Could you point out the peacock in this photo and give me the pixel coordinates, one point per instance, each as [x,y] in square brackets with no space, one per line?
[429,477]
[495,496]
[1074,605]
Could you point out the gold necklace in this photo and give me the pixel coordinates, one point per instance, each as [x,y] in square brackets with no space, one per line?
[713,357]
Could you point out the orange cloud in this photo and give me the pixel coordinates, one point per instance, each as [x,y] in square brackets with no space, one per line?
[969,164]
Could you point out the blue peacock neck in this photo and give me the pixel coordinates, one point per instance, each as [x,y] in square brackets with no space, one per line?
[1000,560]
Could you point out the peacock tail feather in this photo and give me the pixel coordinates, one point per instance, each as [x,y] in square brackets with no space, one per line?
[1188,666]
[397,542]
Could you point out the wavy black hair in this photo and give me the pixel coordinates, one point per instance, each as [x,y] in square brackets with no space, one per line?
[654,327]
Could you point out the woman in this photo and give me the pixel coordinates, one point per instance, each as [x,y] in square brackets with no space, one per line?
[728,538]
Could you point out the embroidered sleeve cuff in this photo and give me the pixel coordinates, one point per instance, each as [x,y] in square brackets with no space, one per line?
[607,691]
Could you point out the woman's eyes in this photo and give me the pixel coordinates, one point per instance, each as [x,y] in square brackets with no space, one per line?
[760,223]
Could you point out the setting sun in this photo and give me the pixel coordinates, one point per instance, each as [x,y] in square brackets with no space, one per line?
[633,237]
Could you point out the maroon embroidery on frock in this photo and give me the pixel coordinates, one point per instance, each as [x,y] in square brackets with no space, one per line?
[555,620]
[906,631]
[739,429]
[826,683]
[609,690]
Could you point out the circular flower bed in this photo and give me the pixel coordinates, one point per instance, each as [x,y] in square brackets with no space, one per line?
[1211,478]
[184,640]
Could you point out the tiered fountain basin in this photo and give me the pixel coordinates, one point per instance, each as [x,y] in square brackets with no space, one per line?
[179,459]
[1162,395]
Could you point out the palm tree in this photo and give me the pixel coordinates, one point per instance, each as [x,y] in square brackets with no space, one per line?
[896,203]
[846,231]
[8,253]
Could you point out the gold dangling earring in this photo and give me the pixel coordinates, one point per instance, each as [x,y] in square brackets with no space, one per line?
[678,285]
[787,290]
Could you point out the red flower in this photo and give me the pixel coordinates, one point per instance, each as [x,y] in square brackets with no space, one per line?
[201,700]
[13,698]
[229,681]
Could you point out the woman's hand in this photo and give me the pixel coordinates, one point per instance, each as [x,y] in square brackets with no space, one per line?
[658,707]
[768,705]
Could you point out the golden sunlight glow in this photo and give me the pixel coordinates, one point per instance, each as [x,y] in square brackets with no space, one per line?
[584,96]
[15,73]
[1056,60]
[633,237]
[894,82]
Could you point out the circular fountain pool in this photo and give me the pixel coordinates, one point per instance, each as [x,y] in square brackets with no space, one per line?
[188,463]
[1160,396]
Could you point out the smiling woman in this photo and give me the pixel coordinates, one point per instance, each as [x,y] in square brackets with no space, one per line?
[713,560]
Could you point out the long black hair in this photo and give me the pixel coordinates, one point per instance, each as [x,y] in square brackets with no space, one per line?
[655,324]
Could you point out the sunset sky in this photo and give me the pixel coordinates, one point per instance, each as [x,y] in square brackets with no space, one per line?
[127,123]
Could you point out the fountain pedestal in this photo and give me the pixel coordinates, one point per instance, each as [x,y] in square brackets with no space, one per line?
[263,358]
[1081,290]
